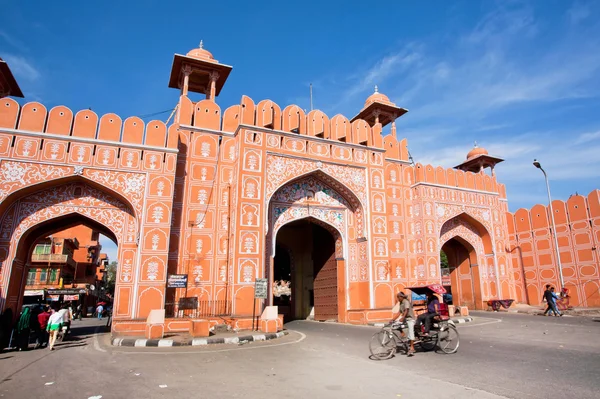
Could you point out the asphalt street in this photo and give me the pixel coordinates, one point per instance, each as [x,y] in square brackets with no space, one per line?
[501,355]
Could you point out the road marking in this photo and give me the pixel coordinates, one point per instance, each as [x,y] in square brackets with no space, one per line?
[495,321]
[139,352]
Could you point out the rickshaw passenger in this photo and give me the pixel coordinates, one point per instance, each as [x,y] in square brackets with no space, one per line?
[433,308]
[406,315]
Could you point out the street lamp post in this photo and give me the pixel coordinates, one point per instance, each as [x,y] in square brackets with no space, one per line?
[560,271]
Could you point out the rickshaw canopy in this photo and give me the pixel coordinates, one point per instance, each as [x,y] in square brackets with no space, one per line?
[423,290]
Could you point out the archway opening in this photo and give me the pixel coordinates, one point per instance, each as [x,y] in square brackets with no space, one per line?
[305,282]
[463,273]
[59,255]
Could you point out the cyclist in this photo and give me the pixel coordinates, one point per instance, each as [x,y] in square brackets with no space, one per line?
[406,315]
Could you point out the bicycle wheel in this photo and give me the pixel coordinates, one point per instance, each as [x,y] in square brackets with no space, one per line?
[448,339]
[428,343]
[382,345]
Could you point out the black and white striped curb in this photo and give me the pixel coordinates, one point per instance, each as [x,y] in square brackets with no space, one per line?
[196,341]
[454,320]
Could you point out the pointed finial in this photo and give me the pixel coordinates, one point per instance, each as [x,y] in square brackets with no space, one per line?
[201,45]
[475,145]
[376,89]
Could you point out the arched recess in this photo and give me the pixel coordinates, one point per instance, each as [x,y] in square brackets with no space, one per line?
[317,271]
[51,209]
[465,284]
[469,248]
[316,198]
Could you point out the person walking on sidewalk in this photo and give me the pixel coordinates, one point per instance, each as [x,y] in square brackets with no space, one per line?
[550,299]
[53,327]
[43,320]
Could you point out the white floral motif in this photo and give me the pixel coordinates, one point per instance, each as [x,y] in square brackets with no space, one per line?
[126,271]
[248,244]
[377,181]
[129,159]
[396,227]
[378,204]
[380,248]
[14,172]
[398,272]
[152,270]
[205,149]
[105,157]
[27,147]
[252,162]
[78,170]
[250,189]
[54,148]
[393,175]
[198,272]
[441,211]
[134,184]
[248,273]
[160,186]
[222,273]
[203,173]
[157,214]
[153,160]
[80,154]
[202,196]
[395,210]
[397,246]
[382,272]
[155,241]
[232,153]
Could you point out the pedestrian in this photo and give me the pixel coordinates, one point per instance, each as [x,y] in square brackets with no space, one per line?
[53,327]
[65,314]
[34,324]
[406,315]
[99,310]
[549,297]
[24,329]
[554,299]
[43,320]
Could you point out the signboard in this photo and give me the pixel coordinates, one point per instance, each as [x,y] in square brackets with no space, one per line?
[34,293]
[188,303]
[71,297]
[66,291]
[260,288]
[54,298]
[177,281]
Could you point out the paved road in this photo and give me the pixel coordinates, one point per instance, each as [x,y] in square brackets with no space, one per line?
[501,355]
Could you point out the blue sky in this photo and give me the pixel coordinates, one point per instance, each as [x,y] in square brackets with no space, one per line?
[520,78]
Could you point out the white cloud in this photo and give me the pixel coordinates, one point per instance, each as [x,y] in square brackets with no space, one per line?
[21,68]
[578,12]
[587,137]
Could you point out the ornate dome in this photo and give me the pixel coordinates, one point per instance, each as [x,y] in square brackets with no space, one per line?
[476,151]
[377,97]
[201,53]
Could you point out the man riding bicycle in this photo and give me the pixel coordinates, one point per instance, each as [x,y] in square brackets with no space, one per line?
[406,315]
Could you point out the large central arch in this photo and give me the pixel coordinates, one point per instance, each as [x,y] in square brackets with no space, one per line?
[321,200]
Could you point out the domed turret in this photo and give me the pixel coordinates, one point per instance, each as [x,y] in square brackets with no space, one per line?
[378,97]
[201,53]
[476,151]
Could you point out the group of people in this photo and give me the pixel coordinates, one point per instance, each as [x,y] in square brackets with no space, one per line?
[550,297]
[44,322]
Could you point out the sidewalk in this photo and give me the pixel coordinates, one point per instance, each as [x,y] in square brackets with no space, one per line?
[170,340]
[539,310]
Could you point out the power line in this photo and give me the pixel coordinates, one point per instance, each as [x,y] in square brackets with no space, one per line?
[155,113]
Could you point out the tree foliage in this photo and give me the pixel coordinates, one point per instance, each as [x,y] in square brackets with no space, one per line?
[443,260]
[111,276]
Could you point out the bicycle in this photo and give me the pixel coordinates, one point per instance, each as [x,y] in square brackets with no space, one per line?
[390,339]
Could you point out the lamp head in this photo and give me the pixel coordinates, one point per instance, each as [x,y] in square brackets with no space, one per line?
[537,164]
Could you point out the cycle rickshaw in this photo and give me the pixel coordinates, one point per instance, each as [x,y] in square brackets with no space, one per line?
[443,334]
